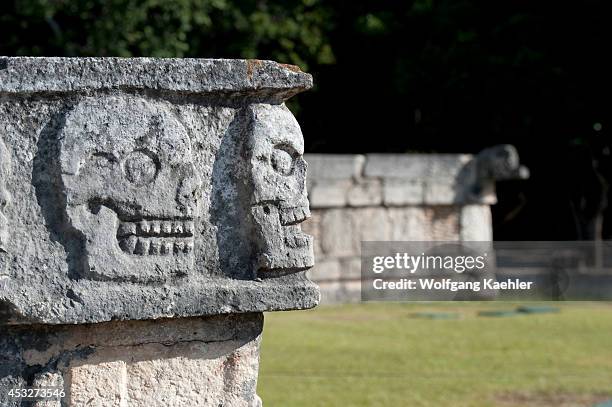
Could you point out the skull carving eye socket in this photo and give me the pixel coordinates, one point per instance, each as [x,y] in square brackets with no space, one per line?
[283,159]
[141,167]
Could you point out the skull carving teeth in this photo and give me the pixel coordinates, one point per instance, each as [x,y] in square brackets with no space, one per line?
[293,216]
[279,203]
[131,188]
[154,237]
[295,238]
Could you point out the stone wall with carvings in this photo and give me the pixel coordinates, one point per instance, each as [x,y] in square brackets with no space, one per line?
[150,212]
[397,197]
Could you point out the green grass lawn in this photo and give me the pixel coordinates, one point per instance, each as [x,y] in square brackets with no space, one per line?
[378,354]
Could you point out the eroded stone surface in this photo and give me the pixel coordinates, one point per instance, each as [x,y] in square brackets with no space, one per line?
[209,361]
[131,188]
[217,77]
[5,197]
[140,189]
[279,199]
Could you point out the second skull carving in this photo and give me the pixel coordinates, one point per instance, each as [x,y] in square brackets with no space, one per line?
[131,188]
[279,201]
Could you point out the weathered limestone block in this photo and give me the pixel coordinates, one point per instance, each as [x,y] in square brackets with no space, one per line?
[312,227]
[415,166]
[338,279]
[136,200]
[337,234]
[412,179]
[370,224]
[398,192]
[346,287]
[437,223]
[444,221]
[342,230]
[398,197]
[408,224]
[329,193]
[279,200]
[335,166]
[476,223]
[198,361]
[330,178]
[365,193]
[143,189]
[429,179]
[442,193]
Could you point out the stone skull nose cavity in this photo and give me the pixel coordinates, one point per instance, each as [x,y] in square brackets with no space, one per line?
[189,189]
[141,167]
[4,198]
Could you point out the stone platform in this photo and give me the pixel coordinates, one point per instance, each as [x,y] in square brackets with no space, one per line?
[150,212]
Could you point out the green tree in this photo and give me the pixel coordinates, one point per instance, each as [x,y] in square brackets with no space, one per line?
[288,31]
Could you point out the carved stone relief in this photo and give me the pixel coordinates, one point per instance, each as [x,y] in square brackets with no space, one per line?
[131,188]
[151,188]
[279,202]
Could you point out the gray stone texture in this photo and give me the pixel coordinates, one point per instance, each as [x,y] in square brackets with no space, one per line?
[164,195]
[183,362]
[149,188]
[415,166]
[182,77]
[397,197]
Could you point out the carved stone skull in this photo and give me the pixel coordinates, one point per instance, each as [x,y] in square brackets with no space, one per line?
[131,188]
[279,201]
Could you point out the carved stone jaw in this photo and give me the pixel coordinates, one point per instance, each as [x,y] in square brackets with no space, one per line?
[108,256]
[279,201]
[156,237]
[284,246]
[131,188]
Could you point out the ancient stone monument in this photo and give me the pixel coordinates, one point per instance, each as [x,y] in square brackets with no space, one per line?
[150,211]
[398,197]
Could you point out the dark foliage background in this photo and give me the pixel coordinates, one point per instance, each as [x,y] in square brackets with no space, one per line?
[397,76]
